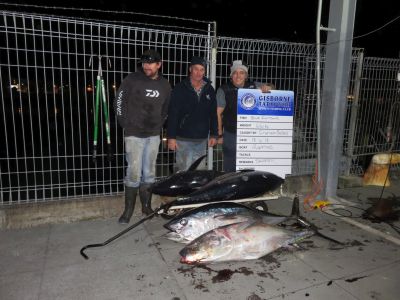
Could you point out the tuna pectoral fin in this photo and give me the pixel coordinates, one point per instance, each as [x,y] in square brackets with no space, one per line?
[231,218]
[196,163]
[243,225]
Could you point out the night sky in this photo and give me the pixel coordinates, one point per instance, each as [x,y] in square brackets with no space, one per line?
[282,20]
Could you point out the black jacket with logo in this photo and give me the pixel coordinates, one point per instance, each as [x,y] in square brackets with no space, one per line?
[191,116]
[141,104]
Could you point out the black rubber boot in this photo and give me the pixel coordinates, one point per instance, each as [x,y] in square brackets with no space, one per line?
[145,198]
[130,200]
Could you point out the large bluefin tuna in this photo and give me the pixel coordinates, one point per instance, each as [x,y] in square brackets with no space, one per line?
[184,182]
[235,185]
[189,225]
[239,241]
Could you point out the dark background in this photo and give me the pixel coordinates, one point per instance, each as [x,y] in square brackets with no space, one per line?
[283,20]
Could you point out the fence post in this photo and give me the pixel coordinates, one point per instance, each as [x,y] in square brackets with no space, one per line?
[334,95]
[212,33]
[354,112]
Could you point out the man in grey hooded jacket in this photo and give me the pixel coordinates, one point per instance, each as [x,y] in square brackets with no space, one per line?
[141,107]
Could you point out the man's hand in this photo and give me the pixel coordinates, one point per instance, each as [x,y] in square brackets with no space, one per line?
[212,142]
[220,140]
[265,88]
[172,145]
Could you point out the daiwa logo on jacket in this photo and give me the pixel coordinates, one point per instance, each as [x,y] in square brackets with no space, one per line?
[152,93]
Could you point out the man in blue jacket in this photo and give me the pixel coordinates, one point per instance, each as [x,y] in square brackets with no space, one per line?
[192,116]
[141,107]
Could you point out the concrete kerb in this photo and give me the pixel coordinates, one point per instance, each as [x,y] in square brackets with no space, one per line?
[26,215]
[62,211]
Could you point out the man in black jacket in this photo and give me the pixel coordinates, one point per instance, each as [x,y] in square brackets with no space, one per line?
[141,107]
[192,116]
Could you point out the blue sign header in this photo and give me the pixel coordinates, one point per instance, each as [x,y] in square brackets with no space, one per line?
[255,102]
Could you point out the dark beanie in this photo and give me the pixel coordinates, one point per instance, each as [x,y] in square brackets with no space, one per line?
[198,61]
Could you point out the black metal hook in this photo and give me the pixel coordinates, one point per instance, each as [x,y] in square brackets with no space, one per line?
[162,207]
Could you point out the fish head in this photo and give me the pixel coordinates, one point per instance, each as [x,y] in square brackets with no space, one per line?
[189,227]
[178,224]
[208,247]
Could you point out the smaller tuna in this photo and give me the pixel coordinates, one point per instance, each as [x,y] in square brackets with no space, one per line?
[239,241]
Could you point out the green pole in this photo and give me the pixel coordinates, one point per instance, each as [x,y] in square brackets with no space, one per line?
[96,117]
[106,120]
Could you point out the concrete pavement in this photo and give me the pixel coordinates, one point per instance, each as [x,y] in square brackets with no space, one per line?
[43,262]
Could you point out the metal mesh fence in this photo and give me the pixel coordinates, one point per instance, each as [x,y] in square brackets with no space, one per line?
[289,66]
[48,69]
[373,122]
[48,74]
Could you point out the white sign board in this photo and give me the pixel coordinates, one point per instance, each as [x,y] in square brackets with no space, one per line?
[264,131]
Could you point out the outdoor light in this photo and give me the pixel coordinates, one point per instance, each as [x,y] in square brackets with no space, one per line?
[14,85]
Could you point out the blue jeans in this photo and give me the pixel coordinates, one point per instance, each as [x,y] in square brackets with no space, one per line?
[141,156]
[229,151]
[188,152]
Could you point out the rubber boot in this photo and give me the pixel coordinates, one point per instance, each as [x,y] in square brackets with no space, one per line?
[145,194]
[130,200]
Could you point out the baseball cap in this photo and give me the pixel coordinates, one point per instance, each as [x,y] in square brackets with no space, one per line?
[150,56]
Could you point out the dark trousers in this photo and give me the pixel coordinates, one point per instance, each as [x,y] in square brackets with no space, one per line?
[229,151]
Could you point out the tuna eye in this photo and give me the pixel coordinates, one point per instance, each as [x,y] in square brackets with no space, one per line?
[183,222]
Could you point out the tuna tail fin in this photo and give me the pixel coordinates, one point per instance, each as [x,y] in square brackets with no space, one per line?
[196,163]
[299,236]
[295,207]
[307,224]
